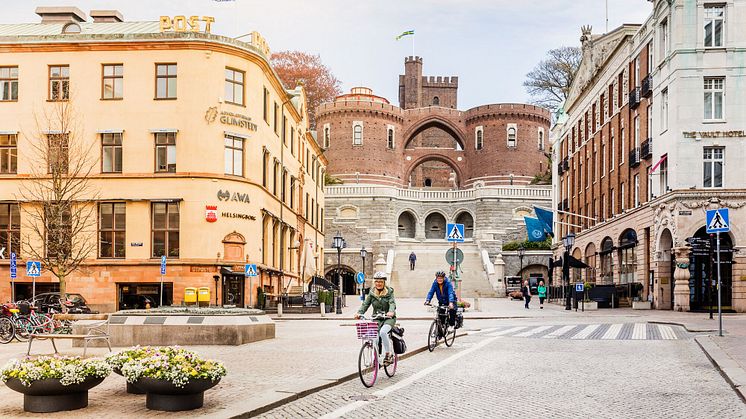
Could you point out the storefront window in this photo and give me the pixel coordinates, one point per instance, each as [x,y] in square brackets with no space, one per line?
[627,260]
[165,229]
[607,262]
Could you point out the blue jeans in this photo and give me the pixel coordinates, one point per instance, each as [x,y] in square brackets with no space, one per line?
[383,333]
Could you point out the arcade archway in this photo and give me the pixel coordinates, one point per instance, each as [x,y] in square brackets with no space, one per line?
[435,226]
[349,287]
[468,221]
[407,225]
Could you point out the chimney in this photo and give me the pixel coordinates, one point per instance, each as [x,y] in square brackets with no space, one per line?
[60,14]
[106,16]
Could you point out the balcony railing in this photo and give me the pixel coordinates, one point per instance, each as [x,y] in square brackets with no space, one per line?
[560,169]
[634,98]
[647,148]
[565,207]
[634,157]
[565,164]
[647,86]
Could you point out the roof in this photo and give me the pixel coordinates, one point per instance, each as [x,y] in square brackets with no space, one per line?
[86,28]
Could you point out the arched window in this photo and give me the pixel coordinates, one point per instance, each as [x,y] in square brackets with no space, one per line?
[327,135]
[436,101]
[511,136]
[428,182]
[390,137]
[71,28]
[627,259]
[607,262]
[541,139]
[479,138]
[357,133]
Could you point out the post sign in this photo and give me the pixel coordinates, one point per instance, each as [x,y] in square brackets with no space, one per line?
[33,269]
[13,266]
[163,265]
[579,287]
[456,254]
[360,277]
[455,233]
[718,221]
[250,269]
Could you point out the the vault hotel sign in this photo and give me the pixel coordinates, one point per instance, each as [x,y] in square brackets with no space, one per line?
[714,134]
[229,118]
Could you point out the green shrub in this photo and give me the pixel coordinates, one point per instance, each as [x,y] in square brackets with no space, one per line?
[528,245]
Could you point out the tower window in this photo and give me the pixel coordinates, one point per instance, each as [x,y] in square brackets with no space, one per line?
[436,101]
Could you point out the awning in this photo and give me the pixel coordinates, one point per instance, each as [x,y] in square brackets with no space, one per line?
[663,158]
[110,131]
[574,263]
[157,130]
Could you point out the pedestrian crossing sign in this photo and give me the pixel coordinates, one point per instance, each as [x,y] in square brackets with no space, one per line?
[717,220]
[455,232]
[250,269]
[33,268]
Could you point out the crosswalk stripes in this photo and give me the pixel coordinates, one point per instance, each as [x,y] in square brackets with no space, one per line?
[586,332]
[617,331]
[559,332]
[640,331]
[667,332]
[534,331]
[506,331]
[613,332]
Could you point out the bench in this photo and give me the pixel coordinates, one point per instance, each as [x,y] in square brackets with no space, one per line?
[96,328]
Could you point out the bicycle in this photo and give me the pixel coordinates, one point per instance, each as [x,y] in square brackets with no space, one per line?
[370,353]
[440,329]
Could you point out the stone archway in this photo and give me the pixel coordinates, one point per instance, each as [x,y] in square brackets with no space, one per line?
[429,123]
[349,287]
[467,220]
[590,260]
[435,226]
[407,225]
[434,170]
[664,293]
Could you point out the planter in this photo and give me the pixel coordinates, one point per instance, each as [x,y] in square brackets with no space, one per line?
[590,306]
[131,388]
[164,395]
[641,305]
[49,395]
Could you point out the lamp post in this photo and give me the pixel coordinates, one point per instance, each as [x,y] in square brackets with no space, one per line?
[567,241]
[338,243]
[216,278]
[521,253]
[363,254]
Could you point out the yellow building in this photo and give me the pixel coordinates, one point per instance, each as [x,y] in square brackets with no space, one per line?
[199,154]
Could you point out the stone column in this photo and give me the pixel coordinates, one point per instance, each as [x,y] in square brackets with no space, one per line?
[419,230]
[498,284]
[681,278]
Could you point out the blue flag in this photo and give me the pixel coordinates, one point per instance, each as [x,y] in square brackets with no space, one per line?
[534,229]
[545,217]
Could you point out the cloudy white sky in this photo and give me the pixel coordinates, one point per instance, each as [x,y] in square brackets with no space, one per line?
[489,44]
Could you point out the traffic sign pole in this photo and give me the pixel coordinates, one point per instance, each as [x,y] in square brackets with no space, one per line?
[720,307]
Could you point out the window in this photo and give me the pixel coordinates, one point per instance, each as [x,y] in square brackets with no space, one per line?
[234,86]
[664,176]
[275,172]
[112,84]
[627,260]
[637,191]
[10,228]
[276,120]
[59,82]
[664,39]
[613,202]
[283,130]
[637,131]
[292,192]
[541,139]
[57,149]
[603,158]
[111,230]
[479,141]
[607,262]
[650,122]
[637,71]
[265,166]
[165,81]
[357,133]
[650,57]
[265,108]
[511,135]
[292,141]
[327,135]
[165,152]
[714,89]
[8,83]
[436,101]
[713,25]
[390,137]
[664,110]
[713,167]
[622,140]
[165,229]
[612,158]
[233,155]
[111,152]
[8,153]
[621,197]
[284,185]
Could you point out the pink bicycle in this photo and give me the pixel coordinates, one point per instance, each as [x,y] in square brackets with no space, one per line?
[370,353]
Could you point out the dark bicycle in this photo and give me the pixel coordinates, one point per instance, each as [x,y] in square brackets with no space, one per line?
[440,329]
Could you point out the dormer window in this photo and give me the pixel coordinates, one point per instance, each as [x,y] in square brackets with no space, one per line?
[71,28]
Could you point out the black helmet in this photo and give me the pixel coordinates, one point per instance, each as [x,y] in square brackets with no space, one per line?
[440,273]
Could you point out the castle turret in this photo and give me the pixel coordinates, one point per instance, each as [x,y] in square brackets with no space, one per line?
[410,83]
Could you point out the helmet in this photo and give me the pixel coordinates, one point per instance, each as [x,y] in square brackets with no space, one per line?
[379,276]
[440,273]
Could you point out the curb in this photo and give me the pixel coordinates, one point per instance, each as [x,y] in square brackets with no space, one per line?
[725,365]
[682,325]
[305,392]
[275,318]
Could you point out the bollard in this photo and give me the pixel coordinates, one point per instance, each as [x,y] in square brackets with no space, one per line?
[279,310]
[476,304]
[323,309]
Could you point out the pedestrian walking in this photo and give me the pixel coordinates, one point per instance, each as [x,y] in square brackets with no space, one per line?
[412,260]
[542,291]
[526,291]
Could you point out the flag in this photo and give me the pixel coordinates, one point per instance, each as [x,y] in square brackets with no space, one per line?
[546,217]
[535,229]
[663,158]
[405,33]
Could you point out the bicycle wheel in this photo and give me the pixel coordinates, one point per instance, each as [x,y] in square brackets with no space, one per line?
[391,369]
[432,336]
[7,331]
[367,364]
[23,328]
[450,335]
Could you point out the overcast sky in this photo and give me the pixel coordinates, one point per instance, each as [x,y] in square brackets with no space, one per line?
[489,44]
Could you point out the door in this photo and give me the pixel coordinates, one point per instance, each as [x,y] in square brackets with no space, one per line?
[233,290]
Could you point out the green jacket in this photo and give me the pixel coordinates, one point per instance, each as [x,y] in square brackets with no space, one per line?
[542,291]
[382,304]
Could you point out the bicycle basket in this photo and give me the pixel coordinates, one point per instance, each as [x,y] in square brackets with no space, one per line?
[367,330]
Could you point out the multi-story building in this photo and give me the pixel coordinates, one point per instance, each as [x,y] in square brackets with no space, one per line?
[408,170]
[198,154]
[650,137]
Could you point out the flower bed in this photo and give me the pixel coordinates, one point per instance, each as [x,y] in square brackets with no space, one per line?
[170,363]
[68,369]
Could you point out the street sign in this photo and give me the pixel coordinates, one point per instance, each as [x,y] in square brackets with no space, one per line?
[360,277]
[250,269]
[163,265]
[458,253]
[579,287]
[717,221]
[33,268]
[455,233]
[13,266]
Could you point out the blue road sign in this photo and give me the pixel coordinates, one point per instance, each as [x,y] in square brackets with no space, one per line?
[33,269]
[250,269]
[579,287]
[163,265]
[360,277]
[455,233]
[13,266]
[718,221]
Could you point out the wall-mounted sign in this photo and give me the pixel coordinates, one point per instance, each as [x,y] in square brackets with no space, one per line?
[136,244]
[211,213]
[229,118]
[714,134]
[202,269]
[186,24]
[226,195]
[238,215]
[685,212]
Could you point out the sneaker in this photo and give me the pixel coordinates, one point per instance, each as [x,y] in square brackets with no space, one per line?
[388,360]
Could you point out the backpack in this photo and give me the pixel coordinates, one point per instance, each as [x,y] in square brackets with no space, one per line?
[397,339]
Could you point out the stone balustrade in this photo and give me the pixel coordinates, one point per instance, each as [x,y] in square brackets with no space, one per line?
[341,191]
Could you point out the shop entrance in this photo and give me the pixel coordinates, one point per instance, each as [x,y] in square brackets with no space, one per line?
[233,290]
[132,296]
[703,275]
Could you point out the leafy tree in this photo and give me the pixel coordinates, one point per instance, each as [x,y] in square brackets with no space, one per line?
[549,82]
[297,67]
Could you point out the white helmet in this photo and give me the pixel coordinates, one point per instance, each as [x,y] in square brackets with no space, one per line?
[379,276]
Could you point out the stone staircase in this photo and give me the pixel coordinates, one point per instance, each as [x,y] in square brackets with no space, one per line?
[431,258]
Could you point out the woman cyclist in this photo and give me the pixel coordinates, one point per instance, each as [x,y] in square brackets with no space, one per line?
[381,298]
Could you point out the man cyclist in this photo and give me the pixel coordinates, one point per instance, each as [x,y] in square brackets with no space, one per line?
[443,291]
[381,298]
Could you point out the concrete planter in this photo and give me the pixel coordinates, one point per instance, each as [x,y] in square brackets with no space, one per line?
[45,396]
[163,395]
[589,305]
[641,305]
[131,388]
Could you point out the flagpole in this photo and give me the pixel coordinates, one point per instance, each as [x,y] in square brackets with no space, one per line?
[413,45]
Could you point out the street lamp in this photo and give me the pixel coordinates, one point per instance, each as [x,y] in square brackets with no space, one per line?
[216,278]
[363,254]
[338,243]
[567,241]
[521,253]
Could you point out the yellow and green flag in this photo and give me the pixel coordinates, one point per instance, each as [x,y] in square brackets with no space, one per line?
[405,33]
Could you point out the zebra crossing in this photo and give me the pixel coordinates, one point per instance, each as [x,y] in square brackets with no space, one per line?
[605,331]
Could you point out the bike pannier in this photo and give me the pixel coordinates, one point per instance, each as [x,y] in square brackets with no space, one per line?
[397,339]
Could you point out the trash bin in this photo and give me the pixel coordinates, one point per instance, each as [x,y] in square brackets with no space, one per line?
[203,296]
[190,295]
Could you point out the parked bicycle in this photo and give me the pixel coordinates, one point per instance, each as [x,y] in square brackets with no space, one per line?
[440,329]
[370,360]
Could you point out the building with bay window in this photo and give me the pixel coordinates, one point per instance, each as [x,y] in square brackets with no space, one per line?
[652,135]
[197,153]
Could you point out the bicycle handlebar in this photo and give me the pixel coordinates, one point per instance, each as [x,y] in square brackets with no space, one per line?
[375,317]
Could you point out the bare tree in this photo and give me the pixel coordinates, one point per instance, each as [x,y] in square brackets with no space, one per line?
[549,82]
[58,198]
